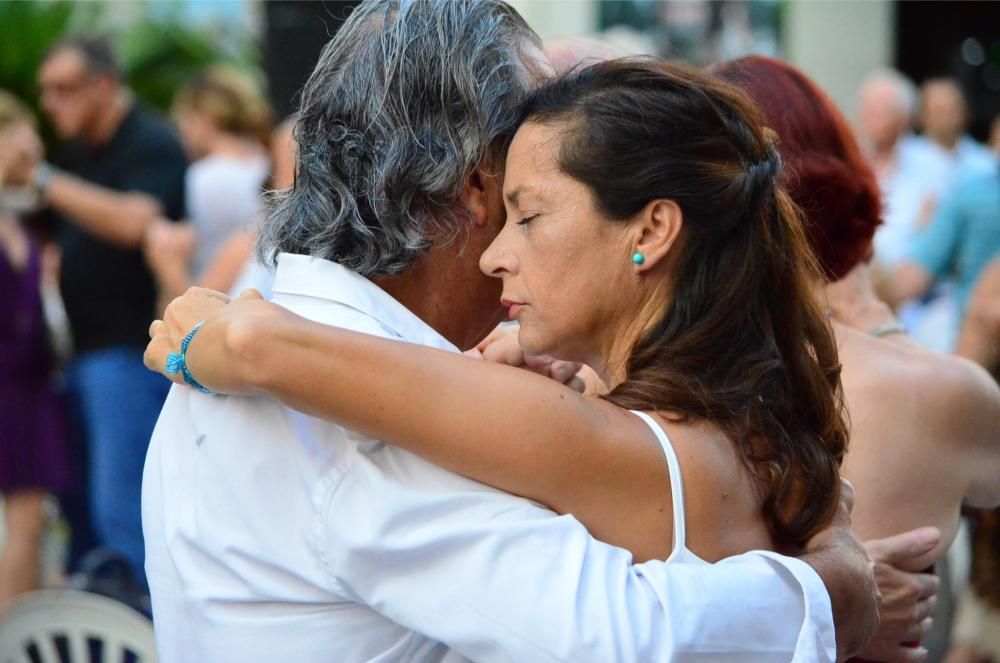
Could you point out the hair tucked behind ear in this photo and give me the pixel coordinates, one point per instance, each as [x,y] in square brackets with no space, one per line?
[742,343]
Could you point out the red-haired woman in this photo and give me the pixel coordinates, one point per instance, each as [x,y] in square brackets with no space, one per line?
[925,427]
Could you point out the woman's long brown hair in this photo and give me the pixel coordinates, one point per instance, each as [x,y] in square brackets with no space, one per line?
[743,343]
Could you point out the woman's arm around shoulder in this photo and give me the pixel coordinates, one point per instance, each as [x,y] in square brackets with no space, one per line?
[512,429]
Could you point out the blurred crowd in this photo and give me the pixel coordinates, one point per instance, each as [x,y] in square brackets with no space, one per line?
[127,210]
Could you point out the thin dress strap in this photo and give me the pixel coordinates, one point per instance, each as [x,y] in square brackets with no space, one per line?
[676,482]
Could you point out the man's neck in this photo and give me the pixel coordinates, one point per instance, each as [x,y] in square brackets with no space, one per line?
[946,143]
[854,302]
[110,120]
[238,147]
[434,289]
[884,158]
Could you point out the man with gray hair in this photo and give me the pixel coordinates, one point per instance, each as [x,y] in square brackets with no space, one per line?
[274,534]
[911,181]
[887,103]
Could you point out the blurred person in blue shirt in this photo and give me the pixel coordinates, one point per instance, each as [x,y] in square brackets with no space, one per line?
[962,238]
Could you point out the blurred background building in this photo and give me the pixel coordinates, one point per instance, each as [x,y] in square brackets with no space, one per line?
[837,42]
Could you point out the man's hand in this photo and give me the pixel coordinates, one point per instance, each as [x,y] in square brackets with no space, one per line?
[908,597]
[167,247]
[848,573]
[165,236]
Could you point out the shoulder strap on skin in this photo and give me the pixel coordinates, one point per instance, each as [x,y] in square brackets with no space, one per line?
[676,482]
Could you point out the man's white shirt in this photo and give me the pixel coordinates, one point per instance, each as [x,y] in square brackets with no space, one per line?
[272,535]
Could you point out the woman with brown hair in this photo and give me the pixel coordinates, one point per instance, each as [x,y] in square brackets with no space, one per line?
[647,236]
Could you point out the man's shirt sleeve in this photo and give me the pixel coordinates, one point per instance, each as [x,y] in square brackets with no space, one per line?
[936,246]
[498,580]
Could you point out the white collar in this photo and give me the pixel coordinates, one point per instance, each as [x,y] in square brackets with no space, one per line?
[314,277]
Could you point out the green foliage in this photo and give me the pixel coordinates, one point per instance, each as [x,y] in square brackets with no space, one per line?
[162,55]
[159,50]
[28,29]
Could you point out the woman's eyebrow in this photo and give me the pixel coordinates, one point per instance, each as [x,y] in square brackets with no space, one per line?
[514,196]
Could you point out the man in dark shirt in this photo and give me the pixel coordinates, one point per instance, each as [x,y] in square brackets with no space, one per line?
[121,170]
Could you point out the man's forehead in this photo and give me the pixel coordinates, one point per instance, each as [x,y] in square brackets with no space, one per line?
[65,61]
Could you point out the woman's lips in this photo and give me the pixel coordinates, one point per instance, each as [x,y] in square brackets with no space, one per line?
[512,308]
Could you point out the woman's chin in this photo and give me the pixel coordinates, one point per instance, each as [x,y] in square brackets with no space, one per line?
[536,345]
[530,343]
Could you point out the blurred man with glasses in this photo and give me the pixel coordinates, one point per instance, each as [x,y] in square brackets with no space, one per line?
[120,169]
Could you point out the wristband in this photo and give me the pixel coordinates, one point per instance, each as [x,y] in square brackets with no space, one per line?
[42,176]
[177,362]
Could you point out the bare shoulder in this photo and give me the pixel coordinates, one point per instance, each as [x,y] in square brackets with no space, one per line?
[967,396]
[945,393]
[723,505]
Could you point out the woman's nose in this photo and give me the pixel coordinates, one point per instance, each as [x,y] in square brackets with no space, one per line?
[497,259]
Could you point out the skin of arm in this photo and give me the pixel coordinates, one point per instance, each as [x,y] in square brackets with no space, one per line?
[225,267]
[935,248]
[586,439]
[242,336]
[168,247]
[118,218]
[980,335]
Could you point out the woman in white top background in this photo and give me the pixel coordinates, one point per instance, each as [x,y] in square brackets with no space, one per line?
[224,122]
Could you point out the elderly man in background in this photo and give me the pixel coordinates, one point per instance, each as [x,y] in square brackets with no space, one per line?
[912,181]
[944,118]
[120,170]
[908,177]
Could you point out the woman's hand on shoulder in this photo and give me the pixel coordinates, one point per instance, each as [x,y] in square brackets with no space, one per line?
[219,354]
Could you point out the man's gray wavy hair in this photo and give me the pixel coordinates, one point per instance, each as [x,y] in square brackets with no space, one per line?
[405,101]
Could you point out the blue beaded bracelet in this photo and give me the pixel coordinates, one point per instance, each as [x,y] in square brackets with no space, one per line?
[177,362]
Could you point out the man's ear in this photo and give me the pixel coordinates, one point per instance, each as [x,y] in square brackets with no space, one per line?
[657,229]
[474,197]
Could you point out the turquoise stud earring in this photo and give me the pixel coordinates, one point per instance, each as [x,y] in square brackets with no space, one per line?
[638,258]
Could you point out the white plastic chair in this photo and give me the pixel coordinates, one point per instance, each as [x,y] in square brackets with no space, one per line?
[62,626]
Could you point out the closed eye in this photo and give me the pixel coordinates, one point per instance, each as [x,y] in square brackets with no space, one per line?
[526,220]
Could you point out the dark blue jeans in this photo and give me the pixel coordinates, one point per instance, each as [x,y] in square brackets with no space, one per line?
[117,402]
